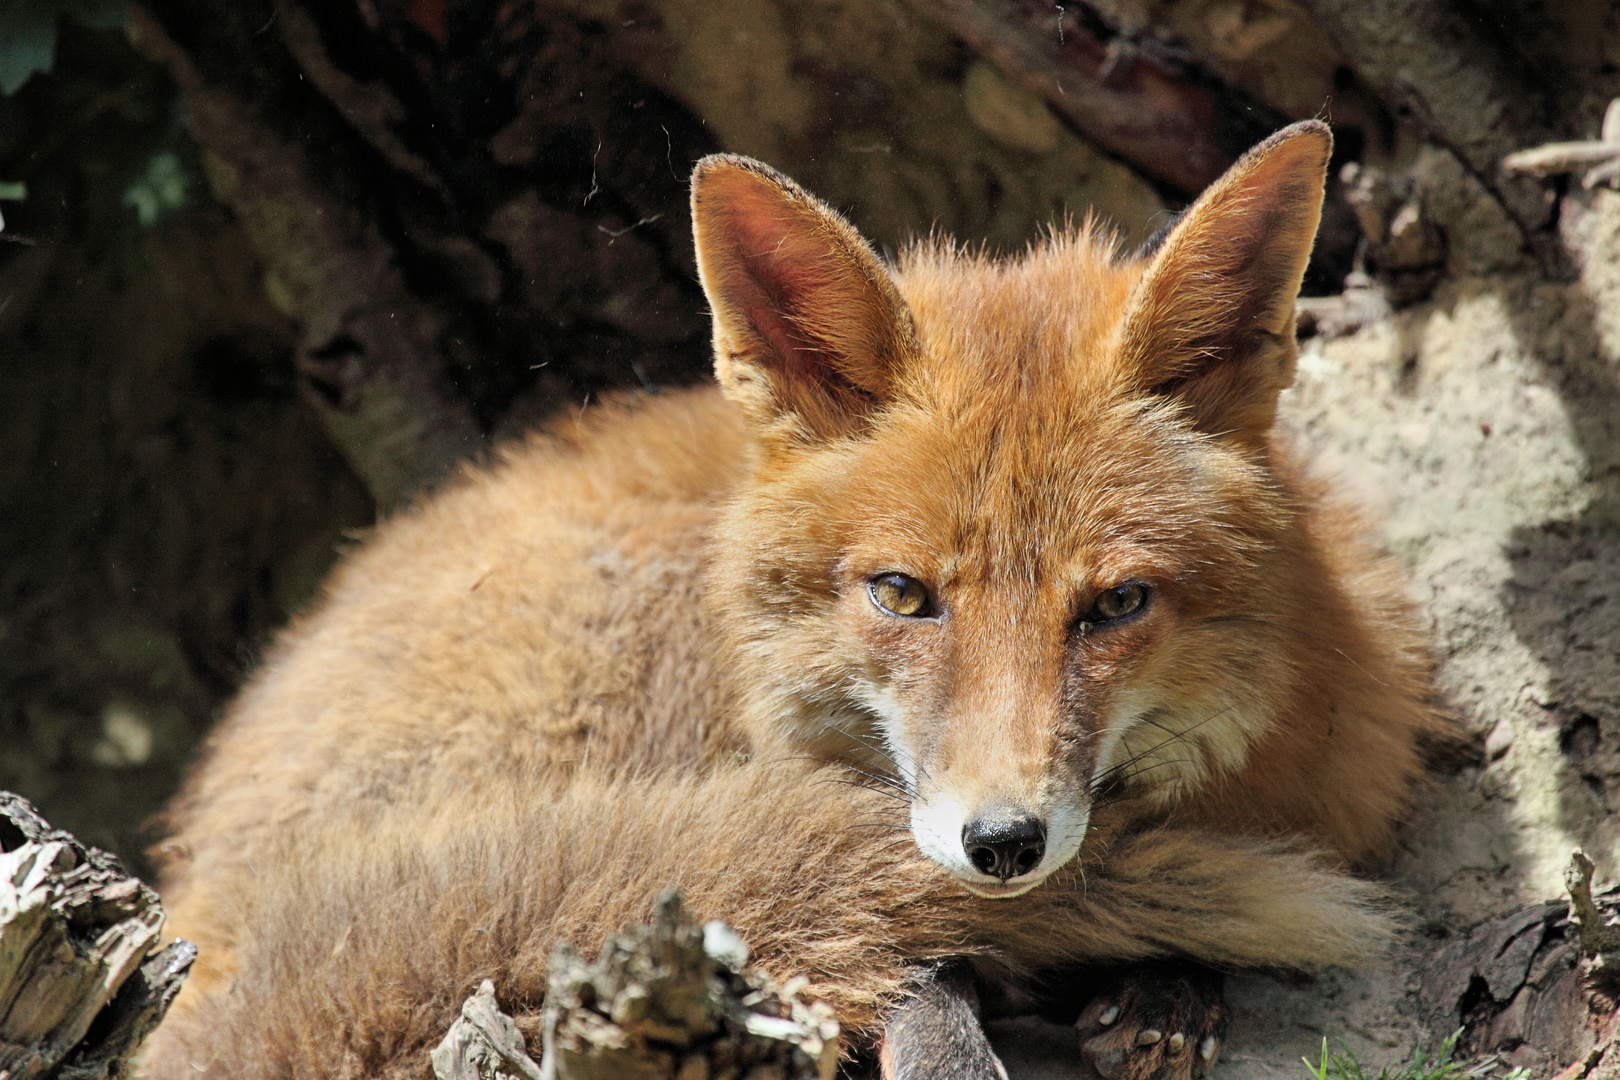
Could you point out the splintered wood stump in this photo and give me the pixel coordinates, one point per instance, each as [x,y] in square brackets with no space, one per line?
[667,1001]
[80,983]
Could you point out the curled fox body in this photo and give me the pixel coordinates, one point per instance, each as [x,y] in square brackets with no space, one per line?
[1012,542]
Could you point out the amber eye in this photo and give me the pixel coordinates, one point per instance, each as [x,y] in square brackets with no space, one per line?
[1118,602]
[900,595]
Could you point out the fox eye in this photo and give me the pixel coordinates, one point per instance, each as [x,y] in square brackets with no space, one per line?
[1118,602]
[898,594]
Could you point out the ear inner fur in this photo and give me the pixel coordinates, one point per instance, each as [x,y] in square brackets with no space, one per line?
[808,327]
[1211,323]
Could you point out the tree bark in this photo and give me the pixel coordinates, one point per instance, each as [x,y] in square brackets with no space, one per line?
[371,352]
[1461,85]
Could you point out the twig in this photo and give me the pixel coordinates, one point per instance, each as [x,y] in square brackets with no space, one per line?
[1600,159]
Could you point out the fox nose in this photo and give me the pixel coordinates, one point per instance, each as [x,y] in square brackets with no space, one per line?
[1005,845]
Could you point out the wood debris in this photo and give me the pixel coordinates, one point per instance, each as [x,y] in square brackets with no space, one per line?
[1598,936]
[483,1044]
[81,980]
[671,1000]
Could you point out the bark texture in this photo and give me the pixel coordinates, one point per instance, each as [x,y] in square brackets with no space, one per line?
[1457,72]
[1155,107]
[82,981]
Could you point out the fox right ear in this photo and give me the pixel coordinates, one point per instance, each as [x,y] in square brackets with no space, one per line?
[809,330]
[1211,323]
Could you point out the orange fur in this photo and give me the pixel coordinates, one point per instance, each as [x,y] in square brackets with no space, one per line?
[596,669]
[364,935]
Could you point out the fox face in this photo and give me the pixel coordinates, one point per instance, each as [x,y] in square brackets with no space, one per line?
[1012,538]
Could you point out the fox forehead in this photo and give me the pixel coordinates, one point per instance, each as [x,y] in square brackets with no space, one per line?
[1017,450]
[996,494]
[1047,315]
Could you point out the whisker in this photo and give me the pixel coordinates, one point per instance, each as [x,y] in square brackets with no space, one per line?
[901,784]
[872,746]
[887,781]
[896,796]
[1108,775]
[1147,718]
[865,744]
[1161,764]
[1172,736]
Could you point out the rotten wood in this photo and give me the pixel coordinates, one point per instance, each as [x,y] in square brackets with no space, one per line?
[82,982]
[1404,248]
[1599,160]
[483,1044]
[1598,935]
[1535,988]
[673,999]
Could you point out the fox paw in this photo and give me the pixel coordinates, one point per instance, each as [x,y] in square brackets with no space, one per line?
[1157,1022]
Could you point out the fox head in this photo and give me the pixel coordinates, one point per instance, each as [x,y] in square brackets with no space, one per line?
[1013,533]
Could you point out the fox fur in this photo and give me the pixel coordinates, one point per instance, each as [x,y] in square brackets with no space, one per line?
[640,651]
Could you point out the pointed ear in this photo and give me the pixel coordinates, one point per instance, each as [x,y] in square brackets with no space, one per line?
[1211,323]
[809,331]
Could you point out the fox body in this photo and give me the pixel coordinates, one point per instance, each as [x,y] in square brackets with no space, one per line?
[1012,542]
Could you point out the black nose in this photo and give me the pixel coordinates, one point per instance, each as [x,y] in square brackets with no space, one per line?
[1005,845]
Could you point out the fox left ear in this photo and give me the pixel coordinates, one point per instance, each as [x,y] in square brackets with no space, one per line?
[809,330]
[1211,322]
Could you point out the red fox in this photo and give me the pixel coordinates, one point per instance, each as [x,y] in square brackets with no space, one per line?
[1009,541]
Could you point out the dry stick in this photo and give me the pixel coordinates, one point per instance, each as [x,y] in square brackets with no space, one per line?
[1600,160]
